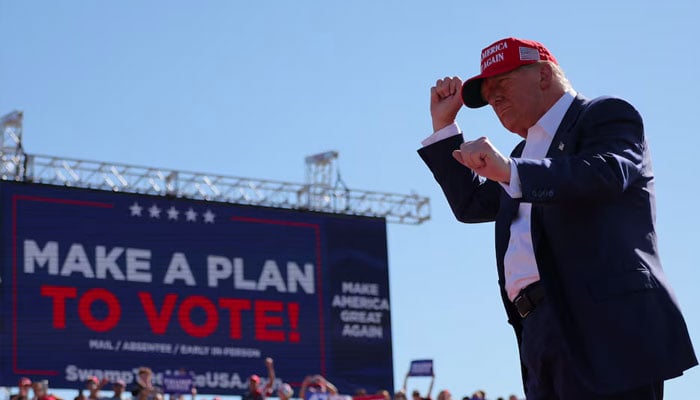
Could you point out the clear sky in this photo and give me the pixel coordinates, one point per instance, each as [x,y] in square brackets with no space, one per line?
[250,88]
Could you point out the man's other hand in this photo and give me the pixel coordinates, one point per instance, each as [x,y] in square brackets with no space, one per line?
[483,158]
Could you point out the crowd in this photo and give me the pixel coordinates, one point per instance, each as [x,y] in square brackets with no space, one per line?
[442,395]
[258,389]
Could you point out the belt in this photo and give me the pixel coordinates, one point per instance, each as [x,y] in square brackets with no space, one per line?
[528,298]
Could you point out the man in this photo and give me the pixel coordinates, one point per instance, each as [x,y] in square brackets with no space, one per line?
[41,391]
[118,386]
[316,384]
[576,250]
[24,385]
[254,391]
[444,395]
[285,391]
[478,395]
[93,385]
[415,395]
[143,388]
[400,395]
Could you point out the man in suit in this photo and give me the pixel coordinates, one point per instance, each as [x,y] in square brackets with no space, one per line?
[577,258]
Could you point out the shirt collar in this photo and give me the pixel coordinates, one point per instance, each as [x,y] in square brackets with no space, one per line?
[550,121]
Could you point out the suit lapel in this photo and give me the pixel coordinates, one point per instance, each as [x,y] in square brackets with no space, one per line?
[563,141]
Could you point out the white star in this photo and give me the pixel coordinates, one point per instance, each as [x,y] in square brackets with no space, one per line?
[173,213]
[209,217]
[154,211]
[135,210]
[191,215]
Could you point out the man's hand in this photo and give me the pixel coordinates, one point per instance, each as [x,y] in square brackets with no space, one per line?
[481,157]
[445,101]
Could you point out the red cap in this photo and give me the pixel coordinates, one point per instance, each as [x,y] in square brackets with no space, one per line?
[24,381]
[500,57]
[94,380]
[255,378]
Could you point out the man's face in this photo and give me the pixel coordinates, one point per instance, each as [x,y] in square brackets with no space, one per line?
[516,97]
[145,377]
[252,385]
[24,389]
[39,390]
[118,389]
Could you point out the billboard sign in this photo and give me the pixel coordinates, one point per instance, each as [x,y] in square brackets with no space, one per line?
[100,283]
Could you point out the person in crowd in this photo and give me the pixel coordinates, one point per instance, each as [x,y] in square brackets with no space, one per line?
[118,387]
[41,391]
[93,385]
[285,392]
[316,384]
[400,395]
[23,390]
[574,210]
[255,392]
[415,395]
[444,395]
[143,388]
[385,394]
[479,395]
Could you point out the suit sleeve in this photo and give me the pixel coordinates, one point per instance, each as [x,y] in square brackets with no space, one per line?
[609,158]
[471,199]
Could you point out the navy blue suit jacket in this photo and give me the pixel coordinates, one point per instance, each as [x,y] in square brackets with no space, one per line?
[593,232]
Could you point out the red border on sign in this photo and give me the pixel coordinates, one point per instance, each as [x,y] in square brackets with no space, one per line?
[319,280]
[15,199]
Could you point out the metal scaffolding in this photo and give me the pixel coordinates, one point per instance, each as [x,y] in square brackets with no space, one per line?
[323,191]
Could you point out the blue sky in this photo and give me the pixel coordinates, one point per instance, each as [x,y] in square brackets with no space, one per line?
[250,88]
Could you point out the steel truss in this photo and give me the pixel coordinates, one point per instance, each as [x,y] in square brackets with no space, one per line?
[319,193]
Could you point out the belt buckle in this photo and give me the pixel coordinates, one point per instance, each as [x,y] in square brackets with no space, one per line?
[520,299]
[524,315]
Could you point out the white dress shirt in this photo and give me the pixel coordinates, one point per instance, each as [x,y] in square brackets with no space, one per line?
[520,264]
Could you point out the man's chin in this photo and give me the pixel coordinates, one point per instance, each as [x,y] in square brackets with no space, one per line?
[515,129]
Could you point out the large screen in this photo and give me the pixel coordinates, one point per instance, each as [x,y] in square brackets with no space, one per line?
[96,283]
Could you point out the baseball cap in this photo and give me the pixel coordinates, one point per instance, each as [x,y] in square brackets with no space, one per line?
[24,381]
[500,57]
[254,378]
[93,379]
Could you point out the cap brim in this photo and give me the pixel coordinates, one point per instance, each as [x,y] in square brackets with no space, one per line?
[471,92]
